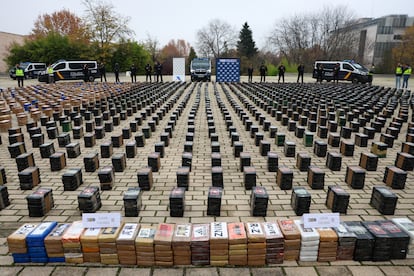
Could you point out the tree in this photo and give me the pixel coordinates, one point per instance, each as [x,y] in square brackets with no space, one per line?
[106,26]
[322,35]
[151,45]
[246,45]
[63,23]
[128,52]
[215,38]
[48,49]
[191,56]
[404,51]
[174,48]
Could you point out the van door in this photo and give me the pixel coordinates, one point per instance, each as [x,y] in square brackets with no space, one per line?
[59,71]
[347,73]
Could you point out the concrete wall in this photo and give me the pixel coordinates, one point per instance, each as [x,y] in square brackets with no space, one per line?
[6,39]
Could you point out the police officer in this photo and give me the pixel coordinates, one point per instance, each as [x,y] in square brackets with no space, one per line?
[301,71]
[148,72]
[398,74]
[250,72]
[158,70]
[282,70]
[406,75]
[102,71]
[116,71]
[85,71]
[336,73]
[19,75]
[133,71]
[50,74]
[263,72]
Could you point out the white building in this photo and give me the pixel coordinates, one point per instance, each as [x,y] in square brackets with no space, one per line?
[378,36]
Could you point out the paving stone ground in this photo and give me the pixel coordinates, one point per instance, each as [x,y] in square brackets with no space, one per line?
[235,201]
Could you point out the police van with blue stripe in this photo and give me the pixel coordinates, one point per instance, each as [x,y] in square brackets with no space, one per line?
[348,71]
[71,70]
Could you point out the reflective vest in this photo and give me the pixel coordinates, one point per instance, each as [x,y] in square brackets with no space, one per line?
[19,72]
[407,71]
[50,70]
[398,70]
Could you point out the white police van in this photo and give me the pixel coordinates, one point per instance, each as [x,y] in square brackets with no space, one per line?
[348,70]
[71,70]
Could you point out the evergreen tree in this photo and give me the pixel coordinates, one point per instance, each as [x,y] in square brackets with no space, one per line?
[246,45]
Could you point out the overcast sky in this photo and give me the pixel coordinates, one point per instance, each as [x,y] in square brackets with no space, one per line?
[181,19]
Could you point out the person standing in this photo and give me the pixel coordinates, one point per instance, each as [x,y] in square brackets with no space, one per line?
[406,75]
[116,71]
[50,74]
[85,71]
[319,73]
[301,71]
[148,72]
[263,72]
[398,75]
[281,70]
[158,70]
[133,70]
[102,71]
[19,75]
[336,73]
[250,73]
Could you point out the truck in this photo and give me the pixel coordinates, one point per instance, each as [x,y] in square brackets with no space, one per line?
[200,69]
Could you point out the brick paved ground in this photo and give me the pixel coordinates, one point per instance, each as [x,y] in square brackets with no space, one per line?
[235,202]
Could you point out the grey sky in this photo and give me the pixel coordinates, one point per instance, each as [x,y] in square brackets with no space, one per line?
[181,19]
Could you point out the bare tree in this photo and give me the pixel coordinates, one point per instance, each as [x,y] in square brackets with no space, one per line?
[216,38]
[106,25]
[152,46]
[322,35]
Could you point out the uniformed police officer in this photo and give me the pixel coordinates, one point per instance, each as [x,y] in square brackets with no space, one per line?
[148,72]
[133,71]
[398,74]
[406,75]
[19,75]
[158,71]
[263,72]
[50,74]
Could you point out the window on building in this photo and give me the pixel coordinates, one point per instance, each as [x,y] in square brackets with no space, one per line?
[398,37]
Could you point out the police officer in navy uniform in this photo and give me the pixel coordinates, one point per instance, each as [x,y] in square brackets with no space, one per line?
[281,70]
[336,73]
[102,71]
[158,71]
[116,71]
[148,72]
[85,71]
[133,71]
[301,71]
[19,75]
[263,72]
[250,72]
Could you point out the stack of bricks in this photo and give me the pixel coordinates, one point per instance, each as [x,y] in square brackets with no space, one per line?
[219,244]
[144,245]
[125,244]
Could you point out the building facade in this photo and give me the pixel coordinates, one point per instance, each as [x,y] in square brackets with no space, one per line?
[376,37]
[6,40]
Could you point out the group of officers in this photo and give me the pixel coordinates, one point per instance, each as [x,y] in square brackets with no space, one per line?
[133,72]
[281,72]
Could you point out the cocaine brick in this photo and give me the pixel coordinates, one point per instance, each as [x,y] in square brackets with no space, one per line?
[337,199]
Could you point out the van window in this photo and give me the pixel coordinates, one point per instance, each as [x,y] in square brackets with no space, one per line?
[91,65]
[75,65]
[29,67]
[60,66]
[328,66]
[348,67]
[39,66]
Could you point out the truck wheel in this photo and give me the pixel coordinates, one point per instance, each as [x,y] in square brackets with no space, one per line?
[355,80]
[91,79]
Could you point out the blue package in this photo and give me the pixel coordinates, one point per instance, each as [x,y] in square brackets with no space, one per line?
[57,260]
[39,260]
[38,255]
[37,236]
[36,249]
